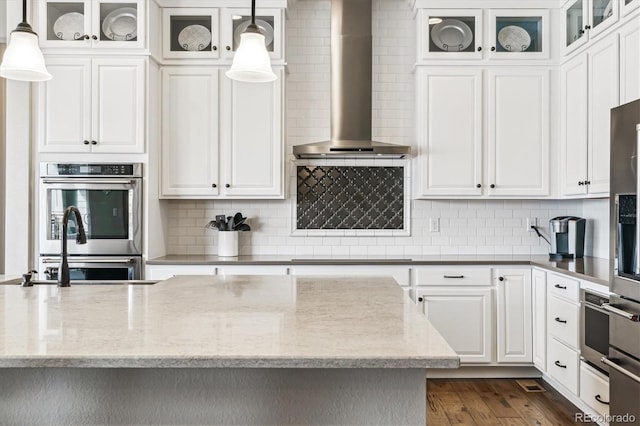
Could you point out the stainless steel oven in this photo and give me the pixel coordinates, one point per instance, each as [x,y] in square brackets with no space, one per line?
[94,268]
[594,328]
[109,196]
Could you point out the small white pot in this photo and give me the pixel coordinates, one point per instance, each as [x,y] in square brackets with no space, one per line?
[228,243]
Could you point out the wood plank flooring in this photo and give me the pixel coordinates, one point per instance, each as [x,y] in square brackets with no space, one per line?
[495,402]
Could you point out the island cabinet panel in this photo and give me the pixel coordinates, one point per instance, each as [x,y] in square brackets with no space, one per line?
[190,145]
[539,313]
[464,318]
[164,272]
[401,274]
[93,105]
[514,323]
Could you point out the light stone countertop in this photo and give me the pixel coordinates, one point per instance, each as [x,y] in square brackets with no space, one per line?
[220,321]
[588,268]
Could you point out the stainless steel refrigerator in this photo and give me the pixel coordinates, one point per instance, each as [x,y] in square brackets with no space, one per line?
[624,308]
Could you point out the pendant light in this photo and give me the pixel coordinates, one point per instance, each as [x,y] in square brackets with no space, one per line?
[23,58]
[251,62]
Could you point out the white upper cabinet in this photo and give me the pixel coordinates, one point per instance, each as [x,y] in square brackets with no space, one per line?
[630,61]
[191,33]
[95,105]
[449,131]
[514,317]
[450,34]
[190,131]
[83,24]
[585,19]
[590,88]
[519,34]
[518,145]
[628,6]
[200,108]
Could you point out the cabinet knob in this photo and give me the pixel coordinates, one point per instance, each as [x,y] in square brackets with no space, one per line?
[500,278]
[587,27]
[580,183]
[95,37]
[420,299]
[228,47]
[227,186]
[479,48]
[94,143]
[85,142]
[493,48]
[213,185]
[214,47]
[587,182]
[478,185]
[492,186]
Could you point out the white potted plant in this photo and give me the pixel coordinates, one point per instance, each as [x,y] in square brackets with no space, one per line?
[229,226]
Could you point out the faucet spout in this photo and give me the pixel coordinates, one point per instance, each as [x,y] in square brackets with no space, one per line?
[64,278]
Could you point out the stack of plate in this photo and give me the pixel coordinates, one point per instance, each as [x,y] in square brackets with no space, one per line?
[69,26]
[121,24]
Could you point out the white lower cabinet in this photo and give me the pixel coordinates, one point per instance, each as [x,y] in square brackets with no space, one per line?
[539,305]
[252,270]
[564,321]
[514,322]
[564,363]
[594,389]
[464,318]
[164,272]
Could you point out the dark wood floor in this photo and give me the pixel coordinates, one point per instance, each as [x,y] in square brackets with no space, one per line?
[495,402]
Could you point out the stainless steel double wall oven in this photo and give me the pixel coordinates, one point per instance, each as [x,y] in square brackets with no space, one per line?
[109,196]
[623,360]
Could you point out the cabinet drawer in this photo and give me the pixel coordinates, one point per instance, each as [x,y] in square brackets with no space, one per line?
[594,389]
[563,365]
[564,287]
[455,275]
[560,311]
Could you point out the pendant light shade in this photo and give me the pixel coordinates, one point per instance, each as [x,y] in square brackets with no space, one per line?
[252,63]
[23,58]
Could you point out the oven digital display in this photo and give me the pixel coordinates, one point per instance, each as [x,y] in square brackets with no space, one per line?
[94,169]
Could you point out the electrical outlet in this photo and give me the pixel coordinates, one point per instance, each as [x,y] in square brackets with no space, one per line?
[434,224]
[531,221]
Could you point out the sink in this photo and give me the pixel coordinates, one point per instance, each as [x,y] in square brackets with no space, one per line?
[18,281]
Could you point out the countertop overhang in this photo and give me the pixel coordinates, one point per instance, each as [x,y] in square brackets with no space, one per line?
[221,322]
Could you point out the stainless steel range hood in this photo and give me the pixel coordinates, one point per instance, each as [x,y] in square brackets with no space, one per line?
[351,57]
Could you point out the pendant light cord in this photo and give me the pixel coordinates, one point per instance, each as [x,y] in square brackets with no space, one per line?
[253,12]
[24,11]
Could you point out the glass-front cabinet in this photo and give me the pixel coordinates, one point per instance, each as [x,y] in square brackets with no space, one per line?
[585,19]
[519,34]
[235,20]
[451,34]
[191,33]
[91,24]
[628,5]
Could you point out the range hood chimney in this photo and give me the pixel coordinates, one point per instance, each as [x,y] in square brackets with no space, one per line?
[351,87]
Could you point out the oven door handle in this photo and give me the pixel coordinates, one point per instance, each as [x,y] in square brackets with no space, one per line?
[637,244]
[48,260]
[629,374]
[624,314]
[91,181]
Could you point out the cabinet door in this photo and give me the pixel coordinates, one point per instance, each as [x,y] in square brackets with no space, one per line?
[119,95]
[514,315]
[604,94]
[603,14]
[117,24]
[576,17]
[65,106]
[252,135]
[235,20]
[539,291]
[518,141]
[190,33]
[519,34]
[630,61]
[450,131]
[450,34]
[463,317]
[574,126]
[189,132]
[64,23]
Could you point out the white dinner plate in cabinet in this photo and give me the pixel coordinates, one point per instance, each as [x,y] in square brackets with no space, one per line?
[194,37]
[121,24]
[514,38]
[452,35]
[69,26]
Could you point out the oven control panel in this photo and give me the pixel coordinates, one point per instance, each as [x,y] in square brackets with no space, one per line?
[89,169]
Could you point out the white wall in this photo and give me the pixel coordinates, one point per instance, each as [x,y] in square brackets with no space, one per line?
[467,227]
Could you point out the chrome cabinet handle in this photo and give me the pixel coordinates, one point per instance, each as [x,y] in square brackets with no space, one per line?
[453,276]
[557,363]
[561,321]
[624,314]
[599,399]
[629,374]
[561,287]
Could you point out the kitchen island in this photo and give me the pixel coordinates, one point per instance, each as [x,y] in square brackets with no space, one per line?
[217,349]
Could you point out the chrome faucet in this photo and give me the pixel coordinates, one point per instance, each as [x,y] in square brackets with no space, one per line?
[81,238]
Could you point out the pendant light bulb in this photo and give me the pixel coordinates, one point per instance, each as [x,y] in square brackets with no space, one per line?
[252,63]
[23,59]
